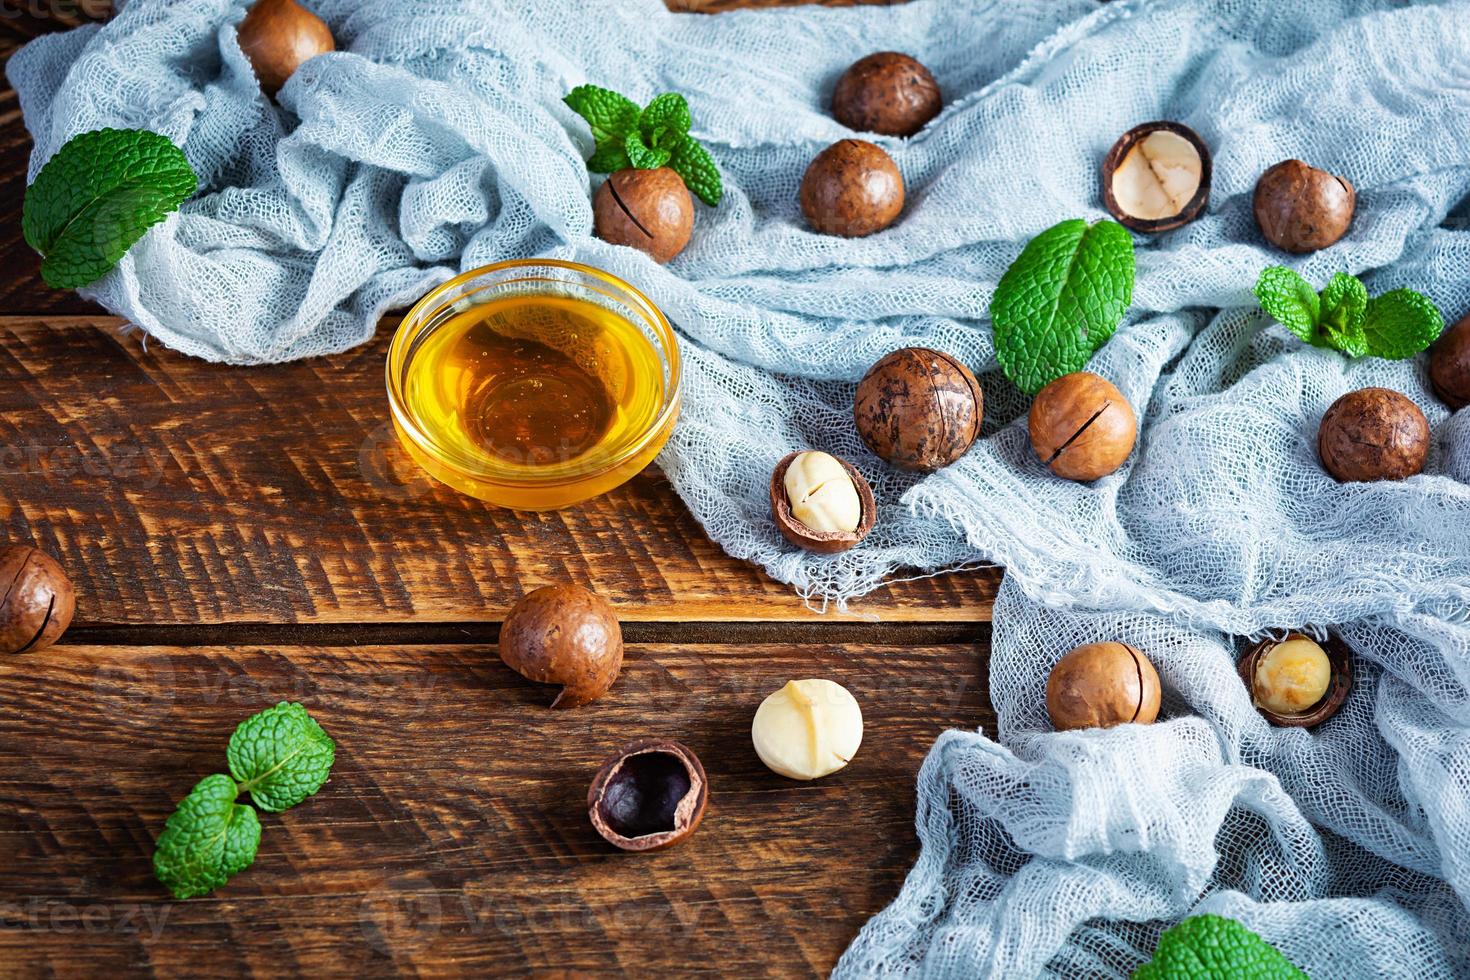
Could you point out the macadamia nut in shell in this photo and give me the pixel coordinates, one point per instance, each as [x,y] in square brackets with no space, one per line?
[918,409]
[1100,685]
[888,93]
[37,601]
[649,210]
[852,189]
[1373,434]
[563,634]
[1082,427]
[1301,209]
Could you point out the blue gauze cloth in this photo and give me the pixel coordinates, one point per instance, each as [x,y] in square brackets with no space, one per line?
[436,141]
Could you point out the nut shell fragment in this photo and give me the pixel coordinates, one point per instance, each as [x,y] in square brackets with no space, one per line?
[563,634]
[1157,177]
[648,795]
[1339,686]
[820,542]
[918,409]
[37,600]
[1100,685]
[1373,434]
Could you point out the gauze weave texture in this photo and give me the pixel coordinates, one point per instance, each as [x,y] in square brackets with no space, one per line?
[436,142]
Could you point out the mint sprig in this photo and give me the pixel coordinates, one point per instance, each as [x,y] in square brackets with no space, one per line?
[97,197]
[1394,326]
[655,136]
[279,756]
[1061,300]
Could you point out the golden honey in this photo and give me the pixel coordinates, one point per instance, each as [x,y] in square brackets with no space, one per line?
[534,392]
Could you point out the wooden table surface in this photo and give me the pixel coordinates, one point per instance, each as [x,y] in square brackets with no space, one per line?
[242,536]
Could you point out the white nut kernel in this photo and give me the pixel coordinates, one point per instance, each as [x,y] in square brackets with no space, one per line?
[808,729]
[822,494]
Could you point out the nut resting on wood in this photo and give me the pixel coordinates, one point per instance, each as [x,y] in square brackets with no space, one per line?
[1157,177]
[888,93]
[918,409]
[1297,682]
[648,795]
[37,601]
[1301,209]
[821,503]
[1082,427]
[808,729]
[563,634]
[1373,434]
[650,210]
[1100,685]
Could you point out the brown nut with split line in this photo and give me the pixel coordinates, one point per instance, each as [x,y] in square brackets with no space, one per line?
[649,210]
[1373,434]
[563,634]
[830,526]
[37,600]
[1100,685]
[1082,427]
[918,409]
[648,795]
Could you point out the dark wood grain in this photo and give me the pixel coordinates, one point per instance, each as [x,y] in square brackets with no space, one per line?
[176,491]
[452,835]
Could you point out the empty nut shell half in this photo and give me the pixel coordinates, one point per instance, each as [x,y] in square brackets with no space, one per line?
[1157,177]
[1338,688]
[648,795]
[820,542]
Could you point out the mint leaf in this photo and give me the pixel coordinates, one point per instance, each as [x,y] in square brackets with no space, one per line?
[1343,304]
[1211,947]
[1291,300]
[665,120]
[208,839]
[611,116]
[691,161]
[609,157]
[280,756]
[1061,300]
[97,196]
[1401,323]
[643,156]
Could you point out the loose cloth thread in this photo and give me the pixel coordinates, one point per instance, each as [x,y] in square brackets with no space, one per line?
[435,142]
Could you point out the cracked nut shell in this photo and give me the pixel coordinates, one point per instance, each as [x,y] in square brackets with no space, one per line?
[1338,687]
[918,409]
[1082,427]
[1301,209]
[563,634]
[852,189]
[1157,177]
[1100,685]
[1373,434]
[1449,365]
[37,600]
[649,210]
[648,795]
[888,93]
[819,542]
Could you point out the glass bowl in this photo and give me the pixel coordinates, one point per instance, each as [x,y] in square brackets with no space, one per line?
[448,435]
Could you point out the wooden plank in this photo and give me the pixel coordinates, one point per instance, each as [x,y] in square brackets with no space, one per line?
[174,491]
[452,836]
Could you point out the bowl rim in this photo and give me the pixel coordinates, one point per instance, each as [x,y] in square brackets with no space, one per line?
[409,327]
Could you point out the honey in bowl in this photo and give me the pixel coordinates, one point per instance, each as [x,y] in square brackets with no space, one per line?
[531,391]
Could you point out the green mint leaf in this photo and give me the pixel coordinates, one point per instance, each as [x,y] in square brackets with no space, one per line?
[692,161]
[1061,300]
[280,756]
[1343,304]
[1401,323]
[97,196]
[1291,301]
[665,120]
[610,156]
[208,839]
[1210,947]
[643,156]
[611,116]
